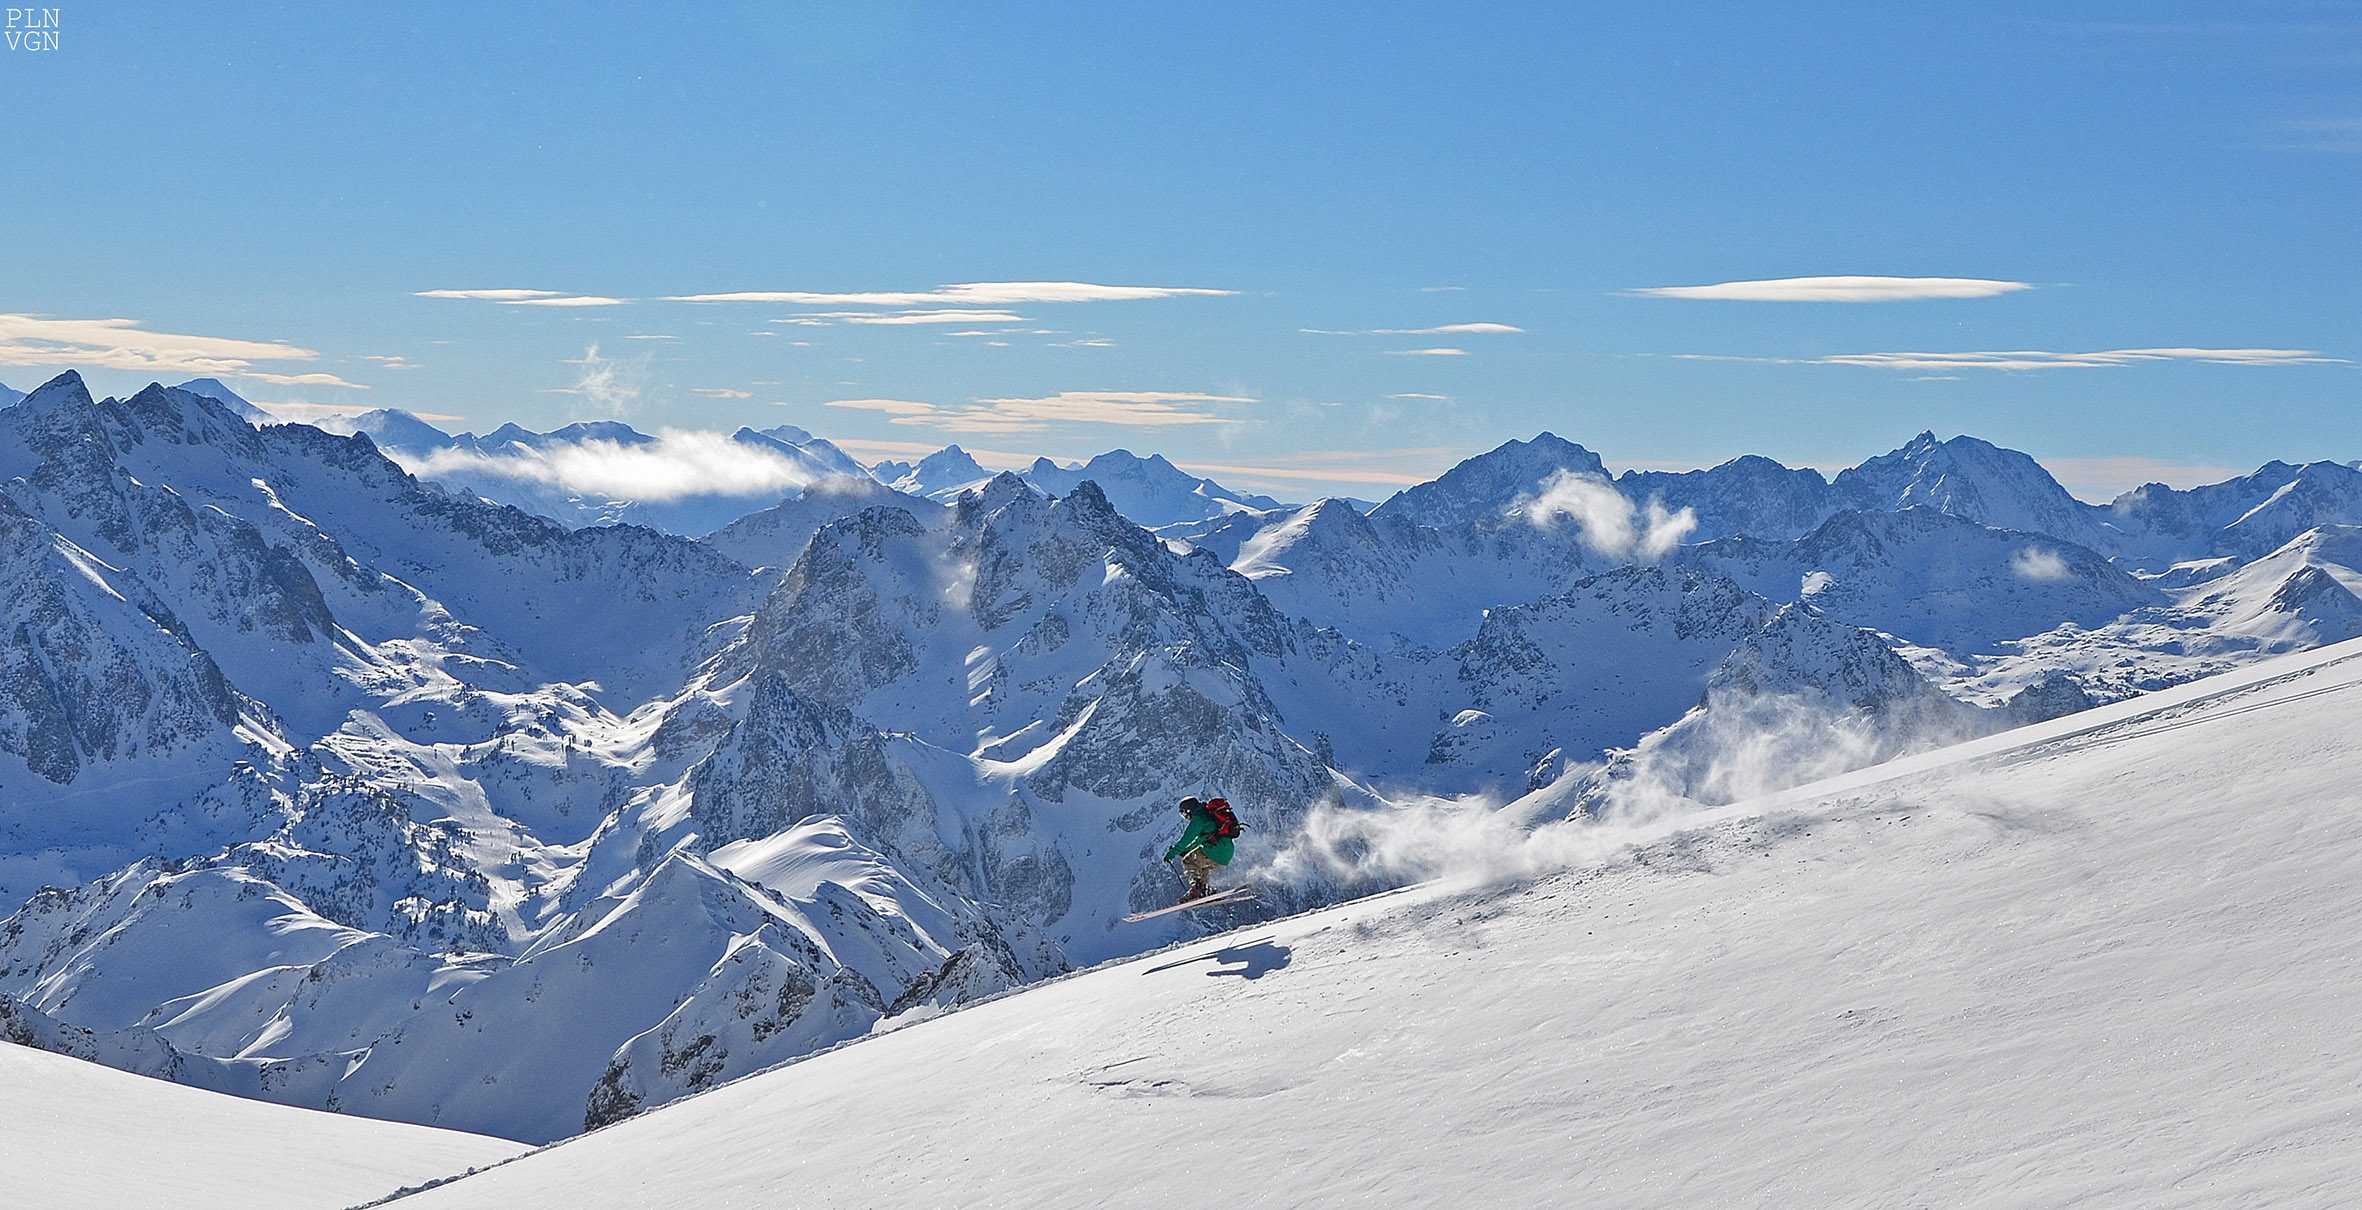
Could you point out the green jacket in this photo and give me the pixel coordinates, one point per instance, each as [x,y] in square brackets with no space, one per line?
[1193,837]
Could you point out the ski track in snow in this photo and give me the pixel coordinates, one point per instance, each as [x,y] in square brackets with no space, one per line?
[2107,960]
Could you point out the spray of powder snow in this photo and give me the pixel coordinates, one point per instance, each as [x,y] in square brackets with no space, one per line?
[1606,517]
[1735,750]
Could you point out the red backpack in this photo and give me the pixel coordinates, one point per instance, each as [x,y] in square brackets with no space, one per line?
[1226,824]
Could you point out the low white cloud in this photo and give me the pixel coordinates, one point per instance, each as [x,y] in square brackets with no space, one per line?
[721,392]
[1425,395]
[391,361]
[1085,342]
[1436,352]
[993,294]
[122,344]
[1463,329]
[2034,563]
[1609,522]
[1855,289]
[527,298]
[677,463]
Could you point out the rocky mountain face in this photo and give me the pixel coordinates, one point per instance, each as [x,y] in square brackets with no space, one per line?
[355,790]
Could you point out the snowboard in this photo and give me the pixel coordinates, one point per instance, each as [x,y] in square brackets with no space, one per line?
[1233,895]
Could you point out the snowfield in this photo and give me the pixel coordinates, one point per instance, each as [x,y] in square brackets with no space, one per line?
[2107,960]
[81,1135]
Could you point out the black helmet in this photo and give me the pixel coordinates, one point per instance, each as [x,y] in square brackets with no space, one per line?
[1191,803]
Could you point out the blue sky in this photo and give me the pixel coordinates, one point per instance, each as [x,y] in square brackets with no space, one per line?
[291,179]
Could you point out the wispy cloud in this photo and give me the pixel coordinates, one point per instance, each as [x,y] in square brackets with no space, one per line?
[1465,329]
[609,383]
[2340,135]
[391,361]
[1084,342]
[676,464]
[721,393]
[1840,289]
[822,319]
[121,344]
[2038,359]
[892,407]
[1132,409]
[1441,289]
[1424,395]
[1436,352]
[655,336]
[313,379]
[990,294]
[527,298]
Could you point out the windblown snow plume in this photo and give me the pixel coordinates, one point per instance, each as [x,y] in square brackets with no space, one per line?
[678,463]
[1608,521]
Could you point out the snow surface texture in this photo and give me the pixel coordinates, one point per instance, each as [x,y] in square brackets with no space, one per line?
[2106,960]
[82,1137]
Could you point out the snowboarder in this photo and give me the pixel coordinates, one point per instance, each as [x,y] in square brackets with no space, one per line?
[1206,832]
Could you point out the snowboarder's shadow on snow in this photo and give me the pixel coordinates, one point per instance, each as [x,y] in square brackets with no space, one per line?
[1255,958]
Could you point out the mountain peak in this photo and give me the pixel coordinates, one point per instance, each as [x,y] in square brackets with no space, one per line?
[1484,489]
[65,390]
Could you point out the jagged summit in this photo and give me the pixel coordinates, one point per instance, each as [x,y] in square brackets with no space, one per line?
[1149,490]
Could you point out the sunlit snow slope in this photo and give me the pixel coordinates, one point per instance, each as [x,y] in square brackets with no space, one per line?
[2109,960]
[76,1135]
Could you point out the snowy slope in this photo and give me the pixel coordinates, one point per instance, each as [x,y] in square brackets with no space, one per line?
[1150,491]
[773,537]
[10,396]
[2112,964]
[85,1137]
[942,475]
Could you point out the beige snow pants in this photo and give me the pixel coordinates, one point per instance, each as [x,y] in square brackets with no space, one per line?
[1199,868]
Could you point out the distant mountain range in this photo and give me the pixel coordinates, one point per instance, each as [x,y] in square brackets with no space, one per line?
[518,782]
